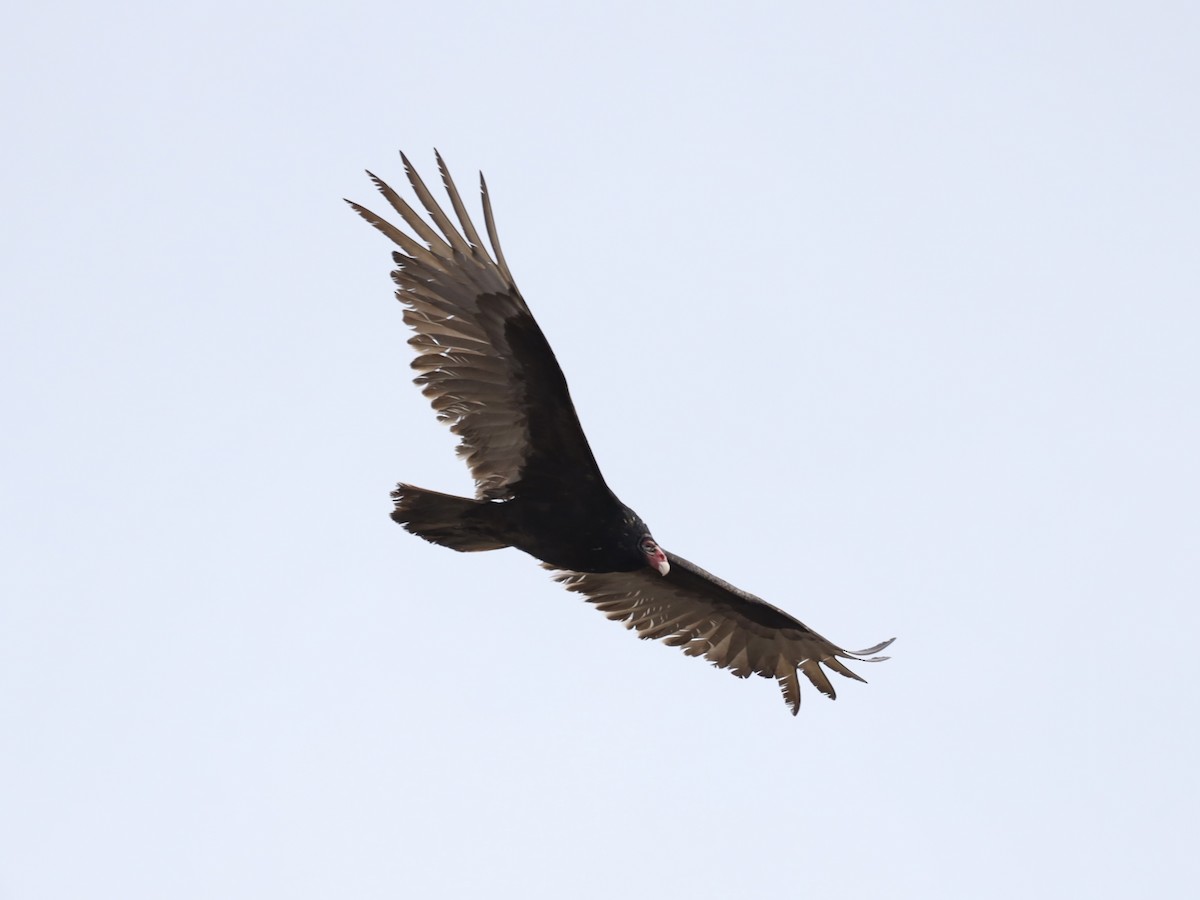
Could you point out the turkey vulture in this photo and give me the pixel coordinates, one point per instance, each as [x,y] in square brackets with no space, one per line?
[491,376]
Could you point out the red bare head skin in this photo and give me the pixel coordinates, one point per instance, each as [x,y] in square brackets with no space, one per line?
[655,557]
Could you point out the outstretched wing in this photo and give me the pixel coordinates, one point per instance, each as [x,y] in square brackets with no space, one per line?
[484,363]
[694,610]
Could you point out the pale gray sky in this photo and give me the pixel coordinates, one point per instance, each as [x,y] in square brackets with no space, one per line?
[886,312]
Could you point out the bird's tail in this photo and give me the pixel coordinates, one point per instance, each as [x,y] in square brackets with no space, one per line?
[455,522]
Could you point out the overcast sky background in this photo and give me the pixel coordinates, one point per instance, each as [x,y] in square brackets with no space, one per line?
[888,312]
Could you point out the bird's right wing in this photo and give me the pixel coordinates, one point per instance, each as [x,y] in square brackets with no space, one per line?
[733,629]
[485,365]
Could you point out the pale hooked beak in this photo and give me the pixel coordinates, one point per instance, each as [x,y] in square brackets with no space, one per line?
[657,559]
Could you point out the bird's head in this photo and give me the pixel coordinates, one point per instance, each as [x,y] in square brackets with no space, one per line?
[639,547]
[655,557]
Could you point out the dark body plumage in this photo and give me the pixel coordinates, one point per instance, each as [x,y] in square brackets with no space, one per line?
[492,377]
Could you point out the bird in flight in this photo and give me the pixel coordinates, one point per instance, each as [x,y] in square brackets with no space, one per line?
[490,375]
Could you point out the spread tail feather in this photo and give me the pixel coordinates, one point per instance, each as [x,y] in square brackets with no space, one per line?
[455,522]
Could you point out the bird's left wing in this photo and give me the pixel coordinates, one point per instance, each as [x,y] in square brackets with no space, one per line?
[705,616]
